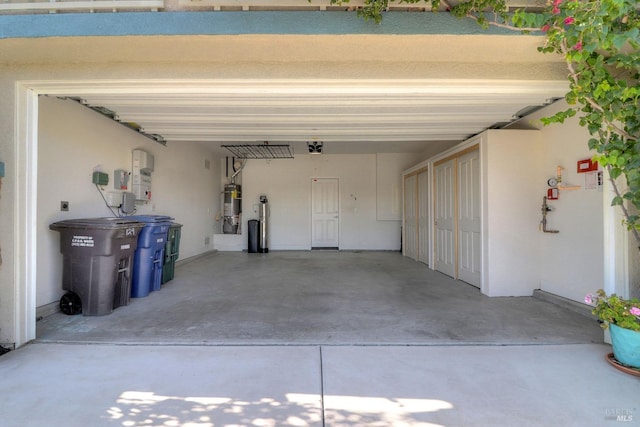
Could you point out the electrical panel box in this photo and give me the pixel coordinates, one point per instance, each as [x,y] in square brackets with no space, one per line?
[100,178]
[141,185]
[142,167]
[120,179]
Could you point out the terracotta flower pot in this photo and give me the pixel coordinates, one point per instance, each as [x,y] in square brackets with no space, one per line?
[626,345]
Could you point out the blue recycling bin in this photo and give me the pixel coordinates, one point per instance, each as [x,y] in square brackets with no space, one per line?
[149,255]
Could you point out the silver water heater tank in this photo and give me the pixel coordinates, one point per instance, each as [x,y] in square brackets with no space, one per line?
[263,242]
[232,208]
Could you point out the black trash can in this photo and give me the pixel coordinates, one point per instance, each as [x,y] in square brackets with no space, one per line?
[254,233]
[97,263]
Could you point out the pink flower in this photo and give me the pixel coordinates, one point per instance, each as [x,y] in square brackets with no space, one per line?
[588,299]
[545,28]
[569,20]
[577,46]
[635,311]
[555,10]
[556,3]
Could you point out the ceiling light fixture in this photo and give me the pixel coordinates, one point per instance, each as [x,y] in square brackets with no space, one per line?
[315,147]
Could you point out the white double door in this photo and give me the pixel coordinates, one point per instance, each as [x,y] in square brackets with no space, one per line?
[325,213]
[457,218]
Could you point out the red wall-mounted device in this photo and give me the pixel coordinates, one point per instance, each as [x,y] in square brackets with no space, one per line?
[552,194]
[587,165]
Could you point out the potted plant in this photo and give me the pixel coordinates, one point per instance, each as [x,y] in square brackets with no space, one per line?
[622,317]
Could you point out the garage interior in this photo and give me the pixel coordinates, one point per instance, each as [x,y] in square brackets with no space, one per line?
[401,92]
[360,124]
[359,336]
[352,120]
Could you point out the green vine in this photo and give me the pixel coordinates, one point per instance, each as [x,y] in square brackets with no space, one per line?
[600,42]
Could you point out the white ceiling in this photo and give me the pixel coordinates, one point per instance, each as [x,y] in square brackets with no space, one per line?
[356,93]
[383,115]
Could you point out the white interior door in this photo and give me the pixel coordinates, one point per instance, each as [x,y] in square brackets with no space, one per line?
[410,219]
[445,260]
[423,216]
[325,213]
[469,245]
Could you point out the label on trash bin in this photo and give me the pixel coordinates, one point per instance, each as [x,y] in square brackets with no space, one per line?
[130,232]
[160,240]
[122,247]
[82,241]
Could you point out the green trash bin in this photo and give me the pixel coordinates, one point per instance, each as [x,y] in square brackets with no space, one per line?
[171,252]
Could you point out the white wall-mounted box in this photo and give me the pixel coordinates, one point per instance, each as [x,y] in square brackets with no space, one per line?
[143,160]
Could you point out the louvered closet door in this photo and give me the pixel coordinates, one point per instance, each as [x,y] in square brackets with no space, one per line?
[445,251]
[469,245]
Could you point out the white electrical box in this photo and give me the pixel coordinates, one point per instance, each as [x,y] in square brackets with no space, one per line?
[143,160]
[114,198]
[123,200]
[142,166]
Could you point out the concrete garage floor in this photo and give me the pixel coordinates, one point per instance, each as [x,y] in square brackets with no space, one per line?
[317,339]
[353,298]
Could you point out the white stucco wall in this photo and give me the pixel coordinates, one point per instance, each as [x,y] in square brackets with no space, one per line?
[389,168]
[571,261]
[73,141]
[287,183]
[511,211]
[8,289]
